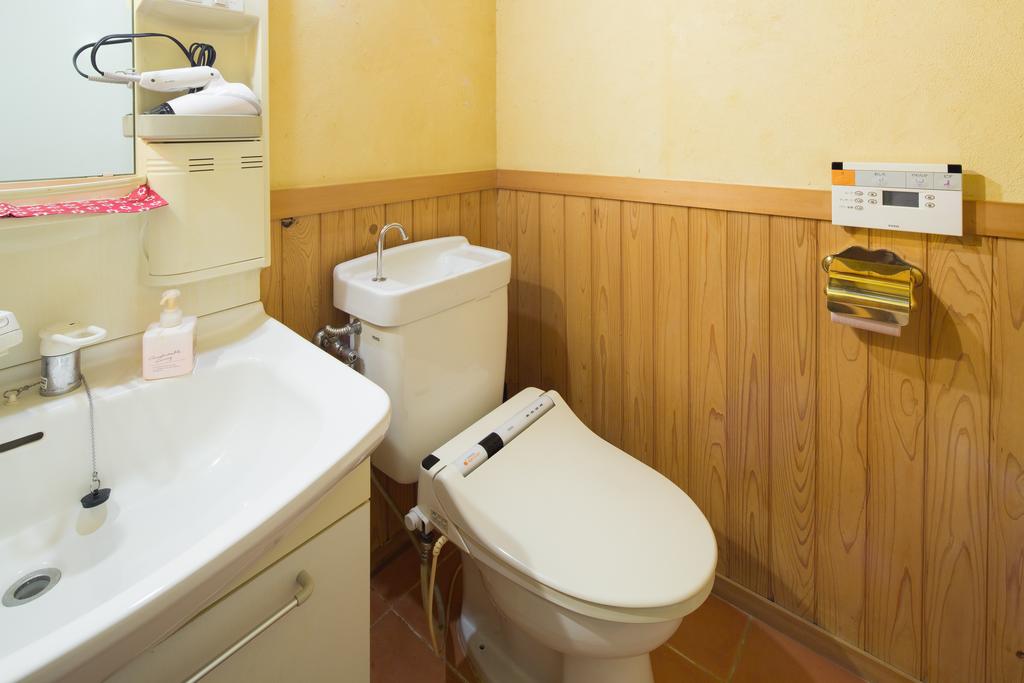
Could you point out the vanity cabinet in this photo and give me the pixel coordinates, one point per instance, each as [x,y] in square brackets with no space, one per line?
[326,638]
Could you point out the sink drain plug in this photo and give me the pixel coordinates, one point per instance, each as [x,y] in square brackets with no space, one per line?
[31,586]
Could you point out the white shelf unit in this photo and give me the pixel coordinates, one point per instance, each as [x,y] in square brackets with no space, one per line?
[212,170]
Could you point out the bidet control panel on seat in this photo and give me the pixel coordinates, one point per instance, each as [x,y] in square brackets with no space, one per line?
[499,438]
[909,197]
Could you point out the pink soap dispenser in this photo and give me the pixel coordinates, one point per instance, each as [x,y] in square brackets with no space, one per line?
[169,346]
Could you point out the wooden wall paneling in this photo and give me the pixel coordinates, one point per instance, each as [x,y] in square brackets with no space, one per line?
[708,343]
[299,201]
[671,343]
[804,203]
[795,286]
[579,305]
[404,496]
[399,212]
[956,475]
[367,222]
[989,218]
[553,371]
[606,274]
[448,210]
[380,514]
[488,218]
[271,291]
[469,216]
[300,277]
[529,296]
[336,232]
[506,241]
[842,480]
[1006,491]
[896,461]
[872,484]
[638,330]
[424,217]
[748,400]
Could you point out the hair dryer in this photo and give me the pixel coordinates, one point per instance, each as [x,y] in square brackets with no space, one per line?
[208,92]
[215,95]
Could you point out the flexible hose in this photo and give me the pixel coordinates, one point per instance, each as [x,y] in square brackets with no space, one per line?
[427,587]
[430,592]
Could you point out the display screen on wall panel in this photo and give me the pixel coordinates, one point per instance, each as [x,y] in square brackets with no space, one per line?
[53,122]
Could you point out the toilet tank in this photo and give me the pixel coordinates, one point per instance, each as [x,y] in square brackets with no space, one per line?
[433,337]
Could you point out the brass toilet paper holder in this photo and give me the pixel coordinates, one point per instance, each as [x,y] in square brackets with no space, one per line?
[875,285]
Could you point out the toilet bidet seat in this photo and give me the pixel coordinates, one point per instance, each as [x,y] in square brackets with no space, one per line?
[572,518]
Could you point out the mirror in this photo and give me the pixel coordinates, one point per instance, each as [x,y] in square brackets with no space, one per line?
[53,122]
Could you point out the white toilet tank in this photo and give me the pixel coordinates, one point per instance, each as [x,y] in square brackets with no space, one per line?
[434,334]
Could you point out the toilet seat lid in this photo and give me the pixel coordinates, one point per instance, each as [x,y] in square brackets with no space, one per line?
[576,514]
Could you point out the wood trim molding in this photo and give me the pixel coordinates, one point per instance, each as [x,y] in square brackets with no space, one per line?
[988,218]
[992,219]
[303,201]
[773,201]
[817,639]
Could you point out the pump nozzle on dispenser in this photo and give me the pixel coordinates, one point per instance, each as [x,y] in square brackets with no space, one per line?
[171,315]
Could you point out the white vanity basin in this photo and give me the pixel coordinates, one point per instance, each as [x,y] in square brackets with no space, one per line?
[206,472]
[422,278]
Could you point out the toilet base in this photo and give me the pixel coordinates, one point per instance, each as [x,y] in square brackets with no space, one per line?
[498,650]
[590,670]
[501,652]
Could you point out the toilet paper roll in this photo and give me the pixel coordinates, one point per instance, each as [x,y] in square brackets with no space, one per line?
[890,329]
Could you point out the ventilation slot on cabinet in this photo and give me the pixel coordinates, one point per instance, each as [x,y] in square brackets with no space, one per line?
[200,164]
[252,161]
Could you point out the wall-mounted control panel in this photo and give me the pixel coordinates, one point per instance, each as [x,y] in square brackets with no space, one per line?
[908,197]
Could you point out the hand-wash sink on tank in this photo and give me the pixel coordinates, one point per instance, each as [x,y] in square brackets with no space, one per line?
[422,278]
[433,337]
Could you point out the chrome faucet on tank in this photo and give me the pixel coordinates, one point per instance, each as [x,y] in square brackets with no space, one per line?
[380,248]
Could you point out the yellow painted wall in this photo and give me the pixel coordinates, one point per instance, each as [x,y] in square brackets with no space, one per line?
[763,92]
[369,89]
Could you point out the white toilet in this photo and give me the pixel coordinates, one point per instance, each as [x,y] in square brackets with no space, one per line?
[578,560]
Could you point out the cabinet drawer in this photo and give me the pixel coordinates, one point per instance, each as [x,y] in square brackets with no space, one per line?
[327,638]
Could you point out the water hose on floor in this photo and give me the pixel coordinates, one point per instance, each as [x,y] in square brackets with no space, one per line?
[427,569]
[430,594]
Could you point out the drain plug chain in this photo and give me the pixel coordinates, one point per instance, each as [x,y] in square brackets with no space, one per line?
[97,496]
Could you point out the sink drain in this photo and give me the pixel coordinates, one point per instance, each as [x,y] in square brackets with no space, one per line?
[31,586]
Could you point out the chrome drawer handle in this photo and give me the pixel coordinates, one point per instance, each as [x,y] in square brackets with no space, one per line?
[306,585]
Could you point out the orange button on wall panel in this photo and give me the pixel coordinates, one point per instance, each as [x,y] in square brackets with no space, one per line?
[841,177]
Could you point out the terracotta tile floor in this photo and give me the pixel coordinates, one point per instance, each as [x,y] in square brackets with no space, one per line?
[716,644]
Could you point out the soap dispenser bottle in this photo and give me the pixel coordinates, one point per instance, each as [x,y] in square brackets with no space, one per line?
[169,346]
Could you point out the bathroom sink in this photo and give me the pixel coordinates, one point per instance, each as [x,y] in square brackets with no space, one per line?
[423,278]
[206,472]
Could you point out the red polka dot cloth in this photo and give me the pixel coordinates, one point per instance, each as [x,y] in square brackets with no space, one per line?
[141,199]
